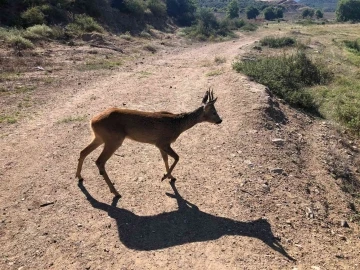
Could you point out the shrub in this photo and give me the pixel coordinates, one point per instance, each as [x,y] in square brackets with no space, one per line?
[136,7]
[348,113]
[249,27]
[157,7]
[20,43]
[348,10]
[353,45]
[238,23]
[252,12]
[38,32]
[308,12]
[287,76]
[233,9]
[271,13]
[319,14]
[84,23]
[274,42]
[33,16]
[182,10]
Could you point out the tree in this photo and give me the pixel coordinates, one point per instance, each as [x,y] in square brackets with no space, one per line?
[182,10]
[207,18]
[308,12]
[233,9]
[270,13]
[279,13]
[252,12]
[319,14]
[348,10]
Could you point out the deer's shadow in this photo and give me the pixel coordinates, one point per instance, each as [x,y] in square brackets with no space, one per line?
[186,225]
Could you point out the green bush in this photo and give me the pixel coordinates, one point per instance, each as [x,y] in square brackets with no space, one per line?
[184,11]
[38,32]
[274,42]
[348,113]
[287,76]
[136,7]
[157,7]
[84,23]
[19,43]
[249,27]
[348,10]
[33,16]
[233,9]
[354,45]
[252,12]
[308,12]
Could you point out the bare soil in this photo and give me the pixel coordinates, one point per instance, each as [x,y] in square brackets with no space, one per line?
[242,199]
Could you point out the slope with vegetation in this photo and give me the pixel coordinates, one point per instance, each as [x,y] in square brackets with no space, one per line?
[324,5]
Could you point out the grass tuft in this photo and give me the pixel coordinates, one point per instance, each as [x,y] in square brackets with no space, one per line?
[277,42]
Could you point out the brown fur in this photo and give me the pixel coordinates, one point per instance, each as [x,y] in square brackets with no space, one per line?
[161,129]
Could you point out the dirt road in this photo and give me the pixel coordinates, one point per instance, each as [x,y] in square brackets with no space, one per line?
[229,208]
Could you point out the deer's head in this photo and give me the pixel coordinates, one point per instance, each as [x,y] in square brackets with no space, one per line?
[210,114]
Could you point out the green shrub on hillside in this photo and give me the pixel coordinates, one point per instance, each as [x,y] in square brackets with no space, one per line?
[184,11]
[348,113]
[33,16]
[287,76]
[157,7]
[353,45]
[19,43]
[84,23]
[274,42]
[348,10]
[38,32]
[136,7]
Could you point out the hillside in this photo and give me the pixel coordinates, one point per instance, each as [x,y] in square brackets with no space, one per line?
[325,5]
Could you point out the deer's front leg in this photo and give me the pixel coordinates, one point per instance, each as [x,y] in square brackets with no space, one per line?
[165,152]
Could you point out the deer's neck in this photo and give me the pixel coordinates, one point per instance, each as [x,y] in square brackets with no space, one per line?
[188,120]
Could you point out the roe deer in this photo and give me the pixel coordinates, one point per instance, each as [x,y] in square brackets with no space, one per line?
[112,126]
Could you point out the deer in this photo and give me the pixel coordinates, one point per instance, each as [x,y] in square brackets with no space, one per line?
[161,129]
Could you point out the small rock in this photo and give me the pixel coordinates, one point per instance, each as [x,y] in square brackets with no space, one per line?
[79,225]
[276,170]
[309,212]
[278,141]
[344,224]
[249,163]
[266,188]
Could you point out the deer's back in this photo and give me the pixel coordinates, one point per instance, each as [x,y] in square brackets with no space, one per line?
[147,127]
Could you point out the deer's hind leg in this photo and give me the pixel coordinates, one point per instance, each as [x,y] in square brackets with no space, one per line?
[109,149]
[85,152]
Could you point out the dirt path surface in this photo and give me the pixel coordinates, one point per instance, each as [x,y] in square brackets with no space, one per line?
[242,200]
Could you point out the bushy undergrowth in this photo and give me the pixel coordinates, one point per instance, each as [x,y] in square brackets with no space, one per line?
[277,42]
[347,102]
[353,45]
[19,42]
[208,27]
[38,32]
[83,24]
[287,77]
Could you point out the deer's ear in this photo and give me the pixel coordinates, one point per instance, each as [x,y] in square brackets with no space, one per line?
[205,98]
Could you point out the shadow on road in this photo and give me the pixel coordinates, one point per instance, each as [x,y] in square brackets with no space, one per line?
[186,225]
